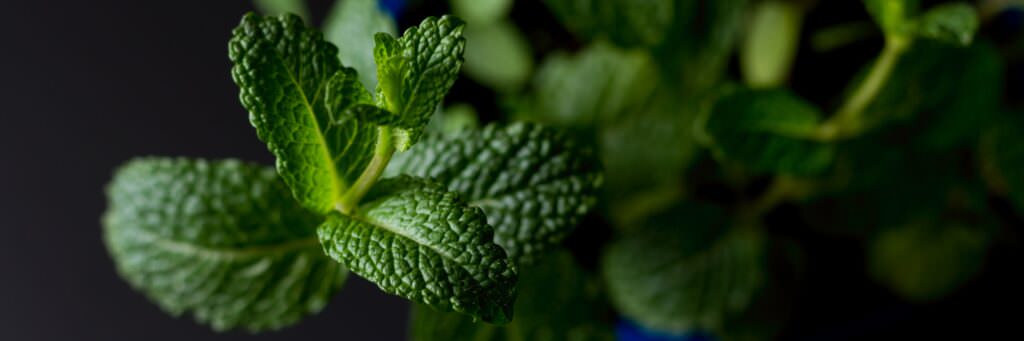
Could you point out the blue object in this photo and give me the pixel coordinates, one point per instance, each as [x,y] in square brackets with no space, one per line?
[626,330]
[393,7]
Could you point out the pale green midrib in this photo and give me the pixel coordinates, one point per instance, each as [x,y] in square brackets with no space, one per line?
[336,186]
[225,253]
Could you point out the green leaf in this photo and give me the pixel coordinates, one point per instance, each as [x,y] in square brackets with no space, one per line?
[222,240]
[498,55]
[599,83]
[298,96]
[278,7]
[534,184]
[628,23]
[925,260]
[416,71]
[700,45]
[770,46]
[416,240]
[481,12]
[557,301]
[768,131]
[954,23]
[1002,154]
[351,25]
[893,16]
[454,119]
[973,102]
[684,271]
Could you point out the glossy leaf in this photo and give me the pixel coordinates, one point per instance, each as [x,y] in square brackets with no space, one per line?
[417,240]
[222,240]
[534,183]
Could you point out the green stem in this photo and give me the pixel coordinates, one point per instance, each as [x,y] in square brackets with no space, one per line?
[381,156]
[847,120]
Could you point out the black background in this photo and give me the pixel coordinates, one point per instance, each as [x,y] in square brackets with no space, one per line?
[87,85]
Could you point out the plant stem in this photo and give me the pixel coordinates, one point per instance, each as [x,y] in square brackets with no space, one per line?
[381,156]
[847,120]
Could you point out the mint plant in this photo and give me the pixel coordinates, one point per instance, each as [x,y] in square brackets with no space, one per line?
[625,177]
[241,246]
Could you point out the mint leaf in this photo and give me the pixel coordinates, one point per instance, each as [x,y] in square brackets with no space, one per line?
[222,240]
[417,240]
[924,260]
[481,12]
[534,183]
[685,272]
[416,71]
[498,55]
[893,16]
[768,131]
[954,23]
[298,96]
[972,104]
[771,43]
[350,25]
[557,301]
[599,83]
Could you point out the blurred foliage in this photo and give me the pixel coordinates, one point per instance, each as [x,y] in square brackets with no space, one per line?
[704,133]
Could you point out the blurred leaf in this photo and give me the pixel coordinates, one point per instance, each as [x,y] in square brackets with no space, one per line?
[686,272]
[481,12]
[840,35]
[597,84]
[979,88]
[277,7]
[557,301]
[652,145]
[699,43]
[768,131]
[773,36]
[925,260]
[1002,150]
[350,26]
[454,119]
[953,23]
[497,55]
[892,15]
[628,23]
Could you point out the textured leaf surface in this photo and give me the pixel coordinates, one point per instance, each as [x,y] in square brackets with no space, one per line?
[298,96]
[222,240]
[351,25]
[557,301]
[416,71]
[768,131]
[417,240]
[954,23]
[684,273]
[534,183]
[922,262]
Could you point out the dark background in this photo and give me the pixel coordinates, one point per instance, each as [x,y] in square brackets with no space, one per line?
[87,85]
